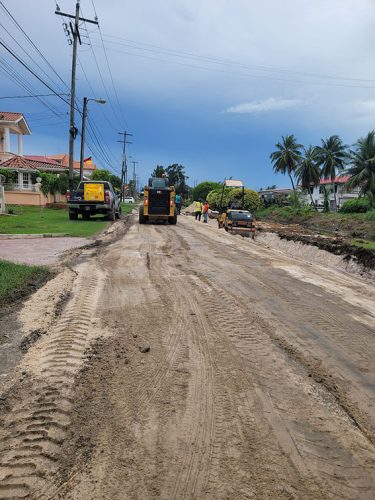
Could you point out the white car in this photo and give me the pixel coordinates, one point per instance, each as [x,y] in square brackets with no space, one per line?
[129,199]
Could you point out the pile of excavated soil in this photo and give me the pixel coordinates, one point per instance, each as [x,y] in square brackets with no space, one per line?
[190,209]
[304,247]
[334,224]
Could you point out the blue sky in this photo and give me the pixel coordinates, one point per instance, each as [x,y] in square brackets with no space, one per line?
[210,84]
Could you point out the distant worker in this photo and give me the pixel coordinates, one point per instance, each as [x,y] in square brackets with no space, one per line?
[206,206]
[178,202]
[198,210]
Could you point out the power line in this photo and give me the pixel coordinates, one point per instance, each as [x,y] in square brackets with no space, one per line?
[12,53]
[33,44]
[246,75]
[12,74]
[189,55]
[28,96]
[109,68]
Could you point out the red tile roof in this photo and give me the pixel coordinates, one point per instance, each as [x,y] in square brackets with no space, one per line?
[341,179]
[43,159]
[21,162]
[8,116]
[64,160]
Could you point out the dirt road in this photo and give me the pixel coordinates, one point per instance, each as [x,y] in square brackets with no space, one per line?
[259,381]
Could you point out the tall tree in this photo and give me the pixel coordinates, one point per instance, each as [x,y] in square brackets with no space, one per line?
[362,166]
[332,157]
[177,177]
[287,157]
[308,173]
[158,171]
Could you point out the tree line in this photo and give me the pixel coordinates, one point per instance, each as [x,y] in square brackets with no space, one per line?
[308,165]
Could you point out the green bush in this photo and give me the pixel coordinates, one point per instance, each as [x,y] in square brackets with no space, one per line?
[201,191]
[359,205]
[11,176]
[232,197]
[369,216]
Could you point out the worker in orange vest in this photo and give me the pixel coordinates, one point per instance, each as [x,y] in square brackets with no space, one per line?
[206,206]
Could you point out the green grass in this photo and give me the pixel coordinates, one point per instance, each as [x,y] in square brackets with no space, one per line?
[14,276]
[127,207]
[370,245]
[36,220]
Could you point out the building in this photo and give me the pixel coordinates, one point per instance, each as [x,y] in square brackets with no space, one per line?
[12,124]
[278,196]
[63,160]
[338,188]
[24,188]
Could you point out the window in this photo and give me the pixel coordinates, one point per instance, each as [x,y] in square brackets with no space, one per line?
[321,190]
[25,179]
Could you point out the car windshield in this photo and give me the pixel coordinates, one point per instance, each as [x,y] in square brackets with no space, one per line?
[240,215]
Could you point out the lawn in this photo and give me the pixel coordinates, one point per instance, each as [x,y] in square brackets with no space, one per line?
[36,220]
[14,277]
[127,207]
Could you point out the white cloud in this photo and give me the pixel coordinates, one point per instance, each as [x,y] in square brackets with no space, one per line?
[270,104]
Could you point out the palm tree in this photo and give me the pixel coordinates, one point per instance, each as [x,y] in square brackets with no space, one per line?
[287,157]
[331,156]
[362,166]
[308,173]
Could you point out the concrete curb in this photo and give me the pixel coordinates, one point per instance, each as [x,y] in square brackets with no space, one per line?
[31,236]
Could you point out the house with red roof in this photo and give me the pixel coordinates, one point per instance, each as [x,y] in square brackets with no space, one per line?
[337,190]
[24,188]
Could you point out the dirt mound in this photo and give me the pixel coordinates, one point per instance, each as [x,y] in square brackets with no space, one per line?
[337,246]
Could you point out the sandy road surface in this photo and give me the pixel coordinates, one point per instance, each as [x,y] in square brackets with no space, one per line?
[259,383]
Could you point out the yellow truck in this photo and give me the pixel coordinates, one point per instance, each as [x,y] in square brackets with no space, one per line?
[158,202]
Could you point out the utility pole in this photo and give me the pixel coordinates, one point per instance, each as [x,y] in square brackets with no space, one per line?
[134,179]
[76,38]
[124,167]
[83,128]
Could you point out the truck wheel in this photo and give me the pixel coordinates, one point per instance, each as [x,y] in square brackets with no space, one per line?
[112,214]
[85,216]
[73,215]
[142,219]
[173,220]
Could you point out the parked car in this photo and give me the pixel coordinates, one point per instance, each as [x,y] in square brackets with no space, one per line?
[91,198]
[129,199]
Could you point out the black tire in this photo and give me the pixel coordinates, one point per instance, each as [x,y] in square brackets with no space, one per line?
[112,214]
[173,220]
[141,219]
[73,215]
[85,216]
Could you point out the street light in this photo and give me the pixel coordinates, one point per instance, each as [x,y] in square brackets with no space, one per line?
[84,113]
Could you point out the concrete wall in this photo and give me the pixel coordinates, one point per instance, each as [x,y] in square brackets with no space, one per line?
[32,198]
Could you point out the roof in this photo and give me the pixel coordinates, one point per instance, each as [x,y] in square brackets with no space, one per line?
[8,116]
[64,160]
[43,159]
[341,179]
[24,163]
[17,118]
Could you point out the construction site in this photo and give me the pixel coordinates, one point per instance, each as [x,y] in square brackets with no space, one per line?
[182,361]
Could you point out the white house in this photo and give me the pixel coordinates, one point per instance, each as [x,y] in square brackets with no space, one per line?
[12,124]
[342,192]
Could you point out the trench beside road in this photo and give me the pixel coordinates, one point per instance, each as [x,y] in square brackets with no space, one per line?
[257,383]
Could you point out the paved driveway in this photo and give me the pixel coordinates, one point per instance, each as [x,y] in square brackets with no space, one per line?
[37,251]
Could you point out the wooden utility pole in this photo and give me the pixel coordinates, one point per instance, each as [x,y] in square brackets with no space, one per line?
[124,167]
[76,38]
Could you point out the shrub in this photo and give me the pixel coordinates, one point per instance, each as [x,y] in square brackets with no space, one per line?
[359,205]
